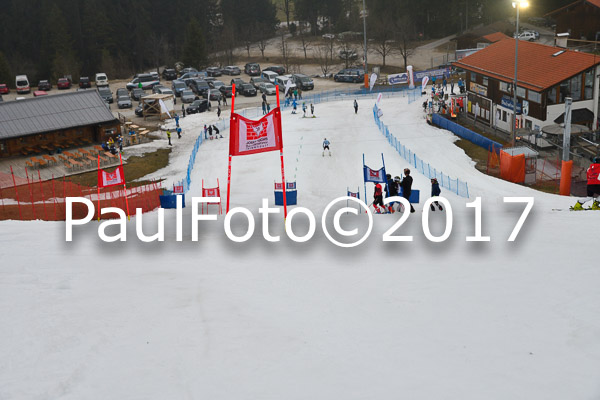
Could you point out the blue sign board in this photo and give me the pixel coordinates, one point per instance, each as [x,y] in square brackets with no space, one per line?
[508,103]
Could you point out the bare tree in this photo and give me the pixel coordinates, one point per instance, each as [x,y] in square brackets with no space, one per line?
[322,53]
[305,40]
[347,50]
[286,8]
[404,36]
[383,34]
[285,52]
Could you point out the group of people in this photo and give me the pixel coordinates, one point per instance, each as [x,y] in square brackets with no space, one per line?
[111,145]
[208,132]
[403,187]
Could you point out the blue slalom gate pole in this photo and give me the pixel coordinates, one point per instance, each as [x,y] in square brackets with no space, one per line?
[387,189]
[364,177]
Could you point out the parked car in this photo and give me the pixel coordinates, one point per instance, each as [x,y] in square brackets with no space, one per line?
[101,79]
[267,88]
[348,55]
[156,88]
[137,93]
[198,106]
[213,71]
[122,92]
[252,69]
[216,84]
[124,101]
[192,74]
[281,81]
[169,74]
[84,82]
[226,91]
[231,70]
[188,70]
[164,90]
[529,36]
[239,82]
[148,81]
[248,90]
[22,84]
[4,88]
[350,75]
[303,82]
[256,80]
[215,95]
[63,83]
[106,94]
[270,76]
[44,85]
[278,69]
[178,86]
[38,93]
[187,96]
[199,86]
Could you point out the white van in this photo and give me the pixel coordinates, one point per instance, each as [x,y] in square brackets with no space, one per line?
[22,84]
[270,76]
[281,81]
[101,79]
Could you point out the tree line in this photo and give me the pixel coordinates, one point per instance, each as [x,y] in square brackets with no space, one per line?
[48,39]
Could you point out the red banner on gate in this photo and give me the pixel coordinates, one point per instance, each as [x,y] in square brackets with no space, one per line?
[250,137]
[106,179]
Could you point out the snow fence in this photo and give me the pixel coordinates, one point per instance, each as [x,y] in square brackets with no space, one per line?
[454,185]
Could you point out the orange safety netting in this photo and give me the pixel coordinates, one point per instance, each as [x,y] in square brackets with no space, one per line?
[512,168]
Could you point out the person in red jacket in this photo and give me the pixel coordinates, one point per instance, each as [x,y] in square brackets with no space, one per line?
[593,186]
[378,198]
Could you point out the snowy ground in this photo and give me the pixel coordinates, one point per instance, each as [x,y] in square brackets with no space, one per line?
[257,320]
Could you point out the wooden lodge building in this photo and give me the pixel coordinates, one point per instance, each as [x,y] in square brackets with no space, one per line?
[581,19]
[48,123]
[546,76]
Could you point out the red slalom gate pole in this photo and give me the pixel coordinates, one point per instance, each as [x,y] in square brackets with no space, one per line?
[42,191]
[54,197]
[125,187]
[282,167]
[30,193]
[16,193]
[229,167]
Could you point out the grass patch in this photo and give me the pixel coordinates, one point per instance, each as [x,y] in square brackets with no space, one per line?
[476,153]
[136,167]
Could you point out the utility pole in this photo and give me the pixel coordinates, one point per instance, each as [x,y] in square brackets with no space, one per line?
[364,12]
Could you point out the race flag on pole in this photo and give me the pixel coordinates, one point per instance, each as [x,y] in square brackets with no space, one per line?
[106,179]
[424,83]
[250,137]
[164,108]
[374,175]
[372,81]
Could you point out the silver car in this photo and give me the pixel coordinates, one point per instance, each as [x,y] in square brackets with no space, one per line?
[187,96]
[267,88]
[124,102]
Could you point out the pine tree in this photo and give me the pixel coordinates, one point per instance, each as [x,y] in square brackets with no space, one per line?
[194,47]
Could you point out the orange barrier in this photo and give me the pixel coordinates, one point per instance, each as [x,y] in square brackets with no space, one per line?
[512,168]
[565,178]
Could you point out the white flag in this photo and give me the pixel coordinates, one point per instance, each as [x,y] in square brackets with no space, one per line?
[424,83]
[163,107]
[411,77]
[372,81]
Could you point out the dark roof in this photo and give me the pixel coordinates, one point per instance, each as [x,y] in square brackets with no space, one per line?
[595,3]
[579,116]
[540,66]
[52,113]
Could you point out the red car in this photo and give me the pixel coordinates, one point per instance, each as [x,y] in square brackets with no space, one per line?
[4,88]
[63,83]
[38,93]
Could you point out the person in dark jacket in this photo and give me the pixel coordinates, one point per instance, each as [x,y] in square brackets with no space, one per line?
[391,190]
[435,191]
[406,186]
[355,106]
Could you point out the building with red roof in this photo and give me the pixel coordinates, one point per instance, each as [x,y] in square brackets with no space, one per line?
[546,76]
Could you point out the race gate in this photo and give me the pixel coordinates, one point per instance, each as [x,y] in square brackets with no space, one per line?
[212,192]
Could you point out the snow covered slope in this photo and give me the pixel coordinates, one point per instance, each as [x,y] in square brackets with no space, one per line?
[257,320]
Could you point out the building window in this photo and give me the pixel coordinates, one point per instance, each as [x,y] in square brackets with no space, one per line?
[505,87]
[565,91]
[2,148]
[551,97]
[521,92]
[503,115]
[589,85]
[473,76]
[485,81]
[528,124]
[534,96]
[576,87]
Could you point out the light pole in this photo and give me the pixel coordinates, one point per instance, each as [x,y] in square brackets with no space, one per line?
[364,15]
[518,5]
